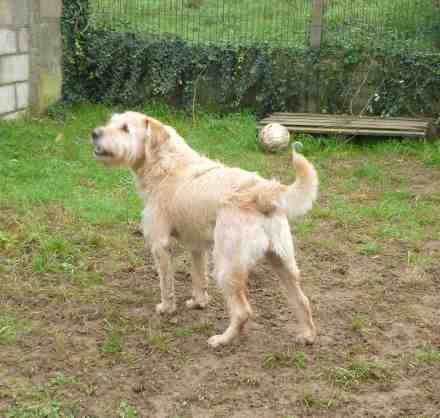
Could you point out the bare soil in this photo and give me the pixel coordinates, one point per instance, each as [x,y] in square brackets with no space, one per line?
[164,368]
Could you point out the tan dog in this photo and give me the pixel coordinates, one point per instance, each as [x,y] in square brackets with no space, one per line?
[201,202]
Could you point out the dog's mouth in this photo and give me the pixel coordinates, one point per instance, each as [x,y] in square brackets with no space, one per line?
[101,152]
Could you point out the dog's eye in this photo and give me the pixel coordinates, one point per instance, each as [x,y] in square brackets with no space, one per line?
[124,127]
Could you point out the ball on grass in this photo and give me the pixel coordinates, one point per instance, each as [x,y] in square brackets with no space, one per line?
[274,137]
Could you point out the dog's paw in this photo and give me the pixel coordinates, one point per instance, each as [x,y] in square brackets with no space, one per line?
[165,308]
[306,337]
[217,341]
[197,303]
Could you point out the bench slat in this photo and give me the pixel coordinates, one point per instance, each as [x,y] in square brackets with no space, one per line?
[340,131]
[326,115]
[354,125]
[346,124]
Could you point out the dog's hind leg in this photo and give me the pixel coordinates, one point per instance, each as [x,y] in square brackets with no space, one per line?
[199,278]
[234,288]
[290,276]
[240,241]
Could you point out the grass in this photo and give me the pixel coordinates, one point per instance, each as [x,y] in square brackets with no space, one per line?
[359,322]
[369,248]
[279,22]
[78,289]
[11,328]
[113,342]
[126,411]
[428,355]
[48,410]
[60,379]
[356,373]
[284,359]
[203,329]
[311,401]
[210,20]
[55,409]
[158,342]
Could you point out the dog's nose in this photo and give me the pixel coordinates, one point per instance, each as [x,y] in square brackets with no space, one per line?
[96,133]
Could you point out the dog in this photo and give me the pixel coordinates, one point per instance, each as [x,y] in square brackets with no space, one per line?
[205,204]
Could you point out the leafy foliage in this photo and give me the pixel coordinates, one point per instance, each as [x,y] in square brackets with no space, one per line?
[131,68]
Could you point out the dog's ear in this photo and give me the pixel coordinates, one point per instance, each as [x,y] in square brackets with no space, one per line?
[156,132]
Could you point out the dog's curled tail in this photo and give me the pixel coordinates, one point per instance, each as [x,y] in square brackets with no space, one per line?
[299,197]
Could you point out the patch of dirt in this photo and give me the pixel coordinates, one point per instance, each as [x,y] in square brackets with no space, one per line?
[102,337]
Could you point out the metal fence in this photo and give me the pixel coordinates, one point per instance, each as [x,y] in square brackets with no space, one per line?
[282,23]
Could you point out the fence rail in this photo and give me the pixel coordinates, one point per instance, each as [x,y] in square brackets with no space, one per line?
[298,23]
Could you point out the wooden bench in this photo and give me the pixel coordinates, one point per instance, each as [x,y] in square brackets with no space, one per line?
[354,125]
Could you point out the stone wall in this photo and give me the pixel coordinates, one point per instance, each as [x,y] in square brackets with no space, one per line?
[30,56]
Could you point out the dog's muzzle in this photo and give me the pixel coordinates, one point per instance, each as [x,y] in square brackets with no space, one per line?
[99,151]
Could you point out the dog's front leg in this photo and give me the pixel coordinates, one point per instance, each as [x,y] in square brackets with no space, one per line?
[162,258]
[199,278]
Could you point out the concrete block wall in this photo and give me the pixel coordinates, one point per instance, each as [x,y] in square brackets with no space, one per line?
[14,58]
[30,56]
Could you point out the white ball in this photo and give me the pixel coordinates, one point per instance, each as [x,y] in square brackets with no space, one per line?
[274,137]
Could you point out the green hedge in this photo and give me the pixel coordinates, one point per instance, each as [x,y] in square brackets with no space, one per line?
[130,68]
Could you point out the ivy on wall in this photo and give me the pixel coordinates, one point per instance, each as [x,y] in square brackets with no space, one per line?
[131,68]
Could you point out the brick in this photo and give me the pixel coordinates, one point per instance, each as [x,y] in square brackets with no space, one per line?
[14,68]
[7,99]
[15,115]
[23,40]
[8,41]
[51,9]
[14,12]
[22,95]
[21,12]
[6,12]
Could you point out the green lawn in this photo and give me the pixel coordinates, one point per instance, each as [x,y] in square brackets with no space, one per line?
[279,22]
[78,332]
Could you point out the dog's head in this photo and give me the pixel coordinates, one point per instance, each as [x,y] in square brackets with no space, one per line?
[128,139]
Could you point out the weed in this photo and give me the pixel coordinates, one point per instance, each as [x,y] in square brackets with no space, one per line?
[304,229]
[204,329]
[311,401]
[183,332]
[5,240]
[158,342]
[369,248]
[60,379]
[11,327]
[357,372]
[126,411]
[113,340]
[420,260]
[428,355]
[55,254]
[285,359]
[359,321]
[372,172]
[48,410]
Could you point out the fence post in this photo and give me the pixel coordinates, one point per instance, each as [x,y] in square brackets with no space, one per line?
[314,96]
[316,24]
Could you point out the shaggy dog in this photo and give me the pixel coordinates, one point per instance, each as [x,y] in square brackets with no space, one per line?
[201,202]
